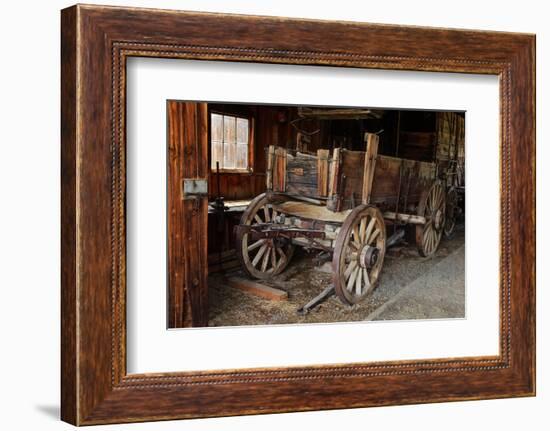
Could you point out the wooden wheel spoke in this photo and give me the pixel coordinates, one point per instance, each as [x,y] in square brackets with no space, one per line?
[350,256]
[259,255]
[434,240]
[433,199]
[366,278]
[358,282]
[373,236]
[362,229]
[265,260]
[349,269]
[351,279]
[284,257]
[266,214]
[356,239]
[427,230]
[369,229]
[353,248]
[273,255]
[429,204]
[258,219]
[256,244]
[429,241]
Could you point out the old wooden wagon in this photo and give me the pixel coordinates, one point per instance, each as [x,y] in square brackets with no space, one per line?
[344,203]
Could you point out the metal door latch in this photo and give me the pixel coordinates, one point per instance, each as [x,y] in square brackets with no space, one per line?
[194,188]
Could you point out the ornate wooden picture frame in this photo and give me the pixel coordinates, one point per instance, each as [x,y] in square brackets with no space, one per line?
[96,42]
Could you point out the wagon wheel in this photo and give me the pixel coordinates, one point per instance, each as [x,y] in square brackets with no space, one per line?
[262,258]
[359,254]
[451,205]
[432,208]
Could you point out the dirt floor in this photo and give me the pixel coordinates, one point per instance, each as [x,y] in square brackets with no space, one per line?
[411,287]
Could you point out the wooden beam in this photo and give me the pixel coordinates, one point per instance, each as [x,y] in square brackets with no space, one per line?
[339,113]
[257,289]
[322,172]
[333,203]
[269,170]
[406,218]
[370,163]
[187,219]
[279,170]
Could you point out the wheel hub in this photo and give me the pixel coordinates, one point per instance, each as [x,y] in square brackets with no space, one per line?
[368,256]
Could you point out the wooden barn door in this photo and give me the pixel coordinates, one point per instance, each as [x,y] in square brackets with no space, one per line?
[187,214]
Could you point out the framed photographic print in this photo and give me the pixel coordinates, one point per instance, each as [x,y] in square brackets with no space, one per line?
[251,205]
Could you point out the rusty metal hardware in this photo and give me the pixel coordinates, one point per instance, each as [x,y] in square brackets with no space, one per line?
[194,188]
[271,230]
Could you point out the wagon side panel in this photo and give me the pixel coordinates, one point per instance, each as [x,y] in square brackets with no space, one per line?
[398,184]
[301,175]
[352,173]
[385,184]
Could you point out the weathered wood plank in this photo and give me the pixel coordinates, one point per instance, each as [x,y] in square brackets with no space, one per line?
[187,218]
[302,169]
[333,203]
[311,211]
[370,163]
[236,185]
[322,172]
[351,176]
[257,289]
[301,175]
[417,177]
[298,189]
[270,166]
[279,170]
[334,169]
[407,218]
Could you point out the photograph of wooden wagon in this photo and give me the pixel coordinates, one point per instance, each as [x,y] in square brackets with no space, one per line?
[348,205]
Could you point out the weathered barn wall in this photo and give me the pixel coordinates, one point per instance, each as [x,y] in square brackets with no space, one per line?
[450,136]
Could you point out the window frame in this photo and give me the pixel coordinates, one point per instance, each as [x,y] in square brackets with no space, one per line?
[250,154]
